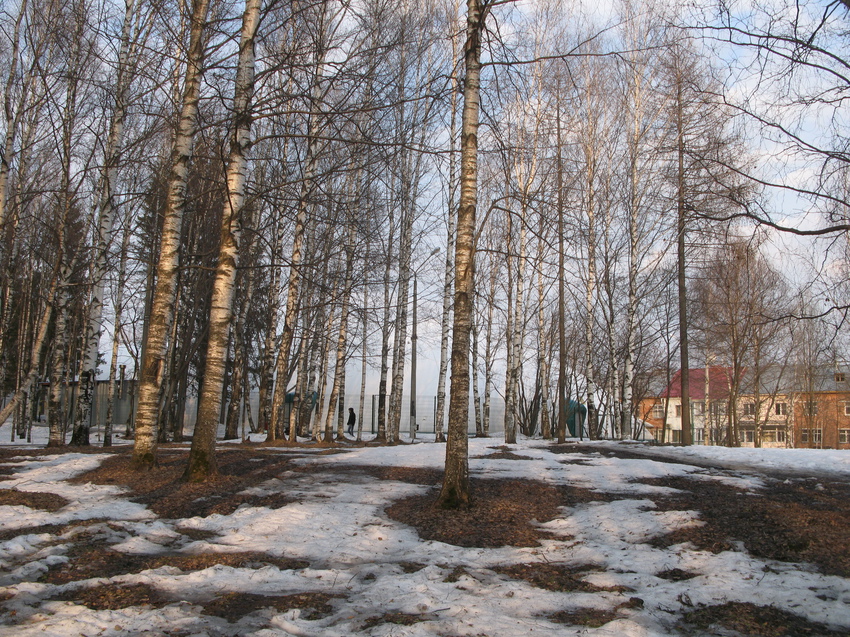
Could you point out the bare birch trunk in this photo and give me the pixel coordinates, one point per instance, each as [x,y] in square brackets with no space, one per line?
[542,341]
[510,396]
[339,367]
[162,311]
[385,336]
[38,348]
[106,220]
[116,339]
[590,288]
[563,403]
[450,254]
[476,396]
[680,268]
[294,285]
[455,488]
[201,463]
[400,339]
[489,352]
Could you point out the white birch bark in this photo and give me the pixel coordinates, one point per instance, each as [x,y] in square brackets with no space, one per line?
[339,367]
[455,488]
[294,285]
[116,338]
[109,178]
[451,215]
[162,310]
[201,461]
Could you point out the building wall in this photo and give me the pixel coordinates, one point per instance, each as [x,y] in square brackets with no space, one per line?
[828,427]
[710,421]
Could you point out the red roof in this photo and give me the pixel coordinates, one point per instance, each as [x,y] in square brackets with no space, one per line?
[718,383]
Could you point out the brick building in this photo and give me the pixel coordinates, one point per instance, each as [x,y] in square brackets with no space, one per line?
[783,407]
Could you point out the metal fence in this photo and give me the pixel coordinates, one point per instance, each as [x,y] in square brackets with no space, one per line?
[426,409]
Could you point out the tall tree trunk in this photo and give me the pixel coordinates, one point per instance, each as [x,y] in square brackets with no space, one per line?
[385,335]
[162,312]
[339,367]
[455,488]
[489,352]
[201,461]
[294,286]
[544,350]
[680,268]
[116,339]
[563,404]
[450,254]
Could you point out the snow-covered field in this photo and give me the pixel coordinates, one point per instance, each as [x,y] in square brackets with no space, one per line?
[337,524]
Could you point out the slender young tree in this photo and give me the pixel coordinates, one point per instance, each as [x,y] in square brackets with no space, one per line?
[455,488]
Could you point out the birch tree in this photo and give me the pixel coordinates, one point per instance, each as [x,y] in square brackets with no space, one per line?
[455,489]
[162,314]
[201,461]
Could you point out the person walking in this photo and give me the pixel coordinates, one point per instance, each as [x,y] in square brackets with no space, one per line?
[352,420]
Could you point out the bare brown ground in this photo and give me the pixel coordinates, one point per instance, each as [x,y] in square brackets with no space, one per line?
[563,578]
[755,621]
[234,606]
[32,499]
[89,561]
[166,494]
[114,597]
[503,512]
[794,522]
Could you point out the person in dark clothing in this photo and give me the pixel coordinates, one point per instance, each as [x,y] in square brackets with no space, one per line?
[352,420]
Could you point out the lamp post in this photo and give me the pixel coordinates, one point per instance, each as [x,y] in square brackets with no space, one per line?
[413,339]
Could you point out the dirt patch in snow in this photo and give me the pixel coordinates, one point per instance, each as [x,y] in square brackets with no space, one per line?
[114,596]
[562,578]
[166,494]
[755,621]
[234,606]
[32,499]
[401,619]
[503,512]
[792,521]
[86,560]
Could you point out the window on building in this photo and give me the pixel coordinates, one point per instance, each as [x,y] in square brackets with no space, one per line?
[847,409]
[678,411]
[812,436]
[658,411]
[810,408]
[747,435]
[718,408]
[677,435]
[749,409]
[816,436]
[844,436]
[773,434]
[781,409]
[839,377]
[699,435]
[804,435]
